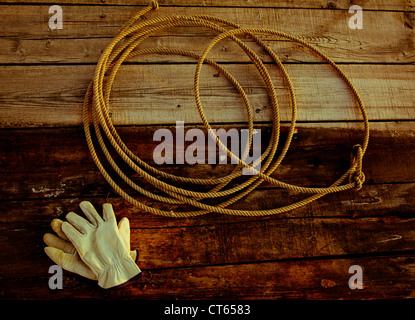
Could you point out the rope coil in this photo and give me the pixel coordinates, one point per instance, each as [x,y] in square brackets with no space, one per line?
[96,112]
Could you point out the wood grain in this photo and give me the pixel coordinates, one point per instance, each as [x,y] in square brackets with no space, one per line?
[317,156]
[375,220]
[26,37]
[399,5]
[387,201]
[273,278]
[154,94]
[386,277]
[229,243]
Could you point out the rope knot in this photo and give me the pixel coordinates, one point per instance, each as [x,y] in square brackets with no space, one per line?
[356,175]
[155,4]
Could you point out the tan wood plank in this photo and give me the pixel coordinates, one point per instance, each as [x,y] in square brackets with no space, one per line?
[338,4]
[88,30]
[163,94]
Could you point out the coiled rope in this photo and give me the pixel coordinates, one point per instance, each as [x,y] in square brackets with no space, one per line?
[96,112]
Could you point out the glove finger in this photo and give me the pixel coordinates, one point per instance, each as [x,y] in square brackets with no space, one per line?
[73,234]
[69,262]
[78,222]
[124,229]
[53,241]
[134,255]
[108,212]
[57,227]
[90,212]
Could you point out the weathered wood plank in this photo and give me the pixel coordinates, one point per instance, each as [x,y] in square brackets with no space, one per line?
[383,278]
[45,163]
[163,94]
[87,31]
[317,157]
[338,4]
[386,200]
[271,239]
[227,243]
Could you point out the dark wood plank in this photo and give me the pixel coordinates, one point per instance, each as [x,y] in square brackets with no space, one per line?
[386,200]
[55,163]
[227,243]
[385,277]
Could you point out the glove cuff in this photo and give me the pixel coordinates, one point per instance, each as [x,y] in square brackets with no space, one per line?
[118,273]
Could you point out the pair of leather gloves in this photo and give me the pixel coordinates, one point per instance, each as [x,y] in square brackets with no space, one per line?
[97,248]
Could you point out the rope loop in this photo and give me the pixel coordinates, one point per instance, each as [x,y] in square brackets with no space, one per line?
[177,190]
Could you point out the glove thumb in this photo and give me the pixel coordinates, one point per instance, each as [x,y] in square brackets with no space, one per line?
[124,229]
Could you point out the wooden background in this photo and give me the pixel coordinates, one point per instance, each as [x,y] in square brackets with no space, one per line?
[46,170]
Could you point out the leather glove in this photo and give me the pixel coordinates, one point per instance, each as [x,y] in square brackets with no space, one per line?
[97,249]
[61,251]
